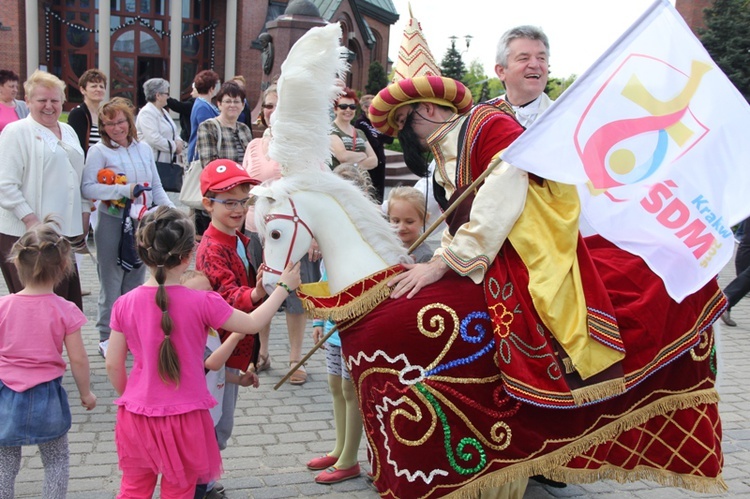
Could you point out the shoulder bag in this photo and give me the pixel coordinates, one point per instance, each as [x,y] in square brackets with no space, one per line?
[170,173]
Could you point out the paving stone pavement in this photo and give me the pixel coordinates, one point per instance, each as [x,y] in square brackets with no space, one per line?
[276,432]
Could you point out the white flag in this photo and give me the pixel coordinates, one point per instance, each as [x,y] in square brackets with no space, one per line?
[657,139]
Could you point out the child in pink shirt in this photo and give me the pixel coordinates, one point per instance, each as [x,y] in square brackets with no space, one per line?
[34,325]
[163,423]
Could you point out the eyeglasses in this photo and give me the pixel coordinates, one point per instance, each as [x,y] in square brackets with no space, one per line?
[344,107]
[231,102]
[115,123]
[233,204]
[268,106]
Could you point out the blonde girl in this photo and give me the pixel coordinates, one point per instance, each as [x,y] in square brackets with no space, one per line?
[163,423]
[36,324]
[407,212]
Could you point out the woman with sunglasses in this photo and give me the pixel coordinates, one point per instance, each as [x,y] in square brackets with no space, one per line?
[349,144]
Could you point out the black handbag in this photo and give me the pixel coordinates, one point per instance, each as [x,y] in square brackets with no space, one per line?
[170,173]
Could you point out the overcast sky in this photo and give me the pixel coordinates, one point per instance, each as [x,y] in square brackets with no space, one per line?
[579,30]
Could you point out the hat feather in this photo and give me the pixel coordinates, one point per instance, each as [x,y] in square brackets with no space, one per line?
[301,123]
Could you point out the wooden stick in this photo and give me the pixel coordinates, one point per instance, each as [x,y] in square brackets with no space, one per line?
[474,185]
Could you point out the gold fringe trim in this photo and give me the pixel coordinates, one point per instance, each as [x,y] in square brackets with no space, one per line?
[359,305]
[552,464]
[703,485]
[598,391]
[568,365]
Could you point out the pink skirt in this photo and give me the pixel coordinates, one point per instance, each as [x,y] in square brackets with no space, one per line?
[181,447]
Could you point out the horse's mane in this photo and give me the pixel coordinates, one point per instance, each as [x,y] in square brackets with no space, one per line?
[363,213]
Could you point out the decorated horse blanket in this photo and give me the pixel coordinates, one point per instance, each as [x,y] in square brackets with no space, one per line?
[440,420]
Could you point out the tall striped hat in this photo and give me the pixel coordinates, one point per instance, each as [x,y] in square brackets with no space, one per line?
[416,78]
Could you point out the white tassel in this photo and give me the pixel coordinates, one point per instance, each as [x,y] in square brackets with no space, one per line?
[301,123]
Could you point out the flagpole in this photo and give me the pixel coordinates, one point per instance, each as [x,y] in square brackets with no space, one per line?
[474,185]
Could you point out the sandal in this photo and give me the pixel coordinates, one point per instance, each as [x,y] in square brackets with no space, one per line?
[300,375]
[264,363]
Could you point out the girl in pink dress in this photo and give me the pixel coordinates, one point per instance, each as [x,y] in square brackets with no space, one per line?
[163,424]
[35,325]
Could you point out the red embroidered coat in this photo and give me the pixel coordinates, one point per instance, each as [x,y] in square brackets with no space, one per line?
[217,257]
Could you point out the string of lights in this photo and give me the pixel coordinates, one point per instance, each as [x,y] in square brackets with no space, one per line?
[49,13]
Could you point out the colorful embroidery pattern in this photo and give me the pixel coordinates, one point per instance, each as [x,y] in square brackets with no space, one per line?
[429,391]
[439,418]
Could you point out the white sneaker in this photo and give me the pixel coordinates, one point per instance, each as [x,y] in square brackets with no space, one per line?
[103,348]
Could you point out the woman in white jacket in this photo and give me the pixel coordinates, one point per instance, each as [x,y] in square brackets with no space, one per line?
[120,152]
[41,175]
[154,124]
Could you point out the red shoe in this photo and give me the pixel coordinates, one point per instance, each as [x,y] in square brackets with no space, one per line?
[322,462]
[336,475]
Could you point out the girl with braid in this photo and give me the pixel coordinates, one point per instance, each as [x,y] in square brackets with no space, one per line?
[163,423]
[35,325]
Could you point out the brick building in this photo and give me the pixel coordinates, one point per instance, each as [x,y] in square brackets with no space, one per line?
[232,37]
[692,12]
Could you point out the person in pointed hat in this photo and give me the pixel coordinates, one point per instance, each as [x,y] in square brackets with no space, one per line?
[517,235]
[428,112]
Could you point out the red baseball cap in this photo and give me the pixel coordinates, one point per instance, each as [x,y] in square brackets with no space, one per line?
[223,174]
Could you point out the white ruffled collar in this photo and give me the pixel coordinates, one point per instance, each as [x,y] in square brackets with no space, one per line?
[48,137]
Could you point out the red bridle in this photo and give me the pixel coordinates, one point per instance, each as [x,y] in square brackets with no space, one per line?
[294,217]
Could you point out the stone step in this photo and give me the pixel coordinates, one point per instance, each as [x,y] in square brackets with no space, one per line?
[393,156]
[399,180]
[398,174]
[396,171]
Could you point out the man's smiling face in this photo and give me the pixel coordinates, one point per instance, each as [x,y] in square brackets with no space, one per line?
[527,71]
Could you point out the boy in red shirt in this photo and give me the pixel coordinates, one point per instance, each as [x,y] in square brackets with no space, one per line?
[222,257]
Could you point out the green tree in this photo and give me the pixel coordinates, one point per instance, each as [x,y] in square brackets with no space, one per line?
[376,78]
[474,78]
[727,38]
[556,86]
[495,87]
[484,92]
[452,66]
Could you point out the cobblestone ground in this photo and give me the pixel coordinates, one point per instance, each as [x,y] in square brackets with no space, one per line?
[276,432]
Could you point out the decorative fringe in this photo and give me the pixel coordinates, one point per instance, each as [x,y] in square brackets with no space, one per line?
[702,485]
[552,465]
[598,391]
[568,365]
[358,306]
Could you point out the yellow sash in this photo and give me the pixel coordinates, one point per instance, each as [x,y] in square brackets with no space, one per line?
[546,237]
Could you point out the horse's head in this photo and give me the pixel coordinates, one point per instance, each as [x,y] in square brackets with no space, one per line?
[287,236]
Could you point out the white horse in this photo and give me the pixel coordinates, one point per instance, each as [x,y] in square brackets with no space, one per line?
[428,372]
[311,203]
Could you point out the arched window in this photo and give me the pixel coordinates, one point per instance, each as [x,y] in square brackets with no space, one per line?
[139,43]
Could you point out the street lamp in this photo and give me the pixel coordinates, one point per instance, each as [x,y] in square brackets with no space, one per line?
[468,39]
